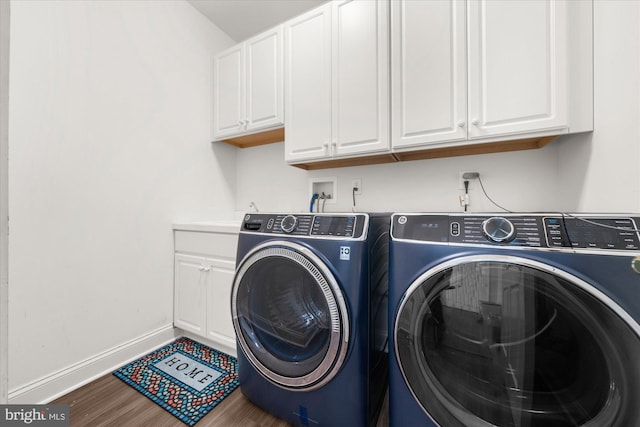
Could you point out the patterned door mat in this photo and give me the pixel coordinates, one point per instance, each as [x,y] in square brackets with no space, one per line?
[186,378]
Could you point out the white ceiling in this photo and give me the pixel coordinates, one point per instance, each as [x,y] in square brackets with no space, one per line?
[241,19]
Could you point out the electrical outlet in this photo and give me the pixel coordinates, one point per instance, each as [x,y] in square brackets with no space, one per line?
[461,179]
[356,183]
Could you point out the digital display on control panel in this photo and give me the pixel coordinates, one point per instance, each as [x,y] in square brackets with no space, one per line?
[427,228]
[333,226]
[598,233]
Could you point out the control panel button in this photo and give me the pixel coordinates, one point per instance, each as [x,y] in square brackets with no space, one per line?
[455,229]
[498,229]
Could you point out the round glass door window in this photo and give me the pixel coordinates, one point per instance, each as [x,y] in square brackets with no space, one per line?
[290,316]
[512,342]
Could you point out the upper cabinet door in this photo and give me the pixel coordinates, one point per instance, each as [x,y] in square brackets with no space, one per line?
[264,80]
[428,72]
[517,66]
[308,85]
[360,117]
[229,92]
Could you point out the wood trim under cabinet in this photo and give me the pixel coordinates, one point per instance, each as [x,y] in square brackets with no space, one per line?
[255,139]
[433,153]
[277,135]
[350,161]
[483,148]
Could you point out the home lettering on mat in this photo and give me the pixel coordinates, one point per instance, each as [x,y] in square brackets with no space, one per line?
[188,371]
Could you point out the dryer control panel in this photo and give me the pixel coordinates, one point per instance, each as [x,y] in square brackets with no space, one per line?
[534,230]
[344,226]
[595,232]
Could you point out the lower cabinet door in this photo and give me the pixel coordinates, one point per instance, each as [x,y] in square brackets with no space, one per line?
[189,305]
[219,322]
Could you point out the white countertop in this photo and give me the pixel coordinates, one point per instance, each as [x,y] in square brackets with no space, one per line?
[215,226]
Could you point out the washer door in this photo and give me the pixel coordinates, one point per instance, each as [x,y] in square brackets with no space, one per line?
[289,315]
[506,341]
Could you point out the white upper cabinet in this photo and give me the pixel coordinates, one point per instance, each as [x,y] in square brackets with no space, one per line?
[429,63]
[360,119]
[517,66]
[364,81]
[483,71]
[248,86]
[265,86]
[229,86]
[308,85]
[337,81]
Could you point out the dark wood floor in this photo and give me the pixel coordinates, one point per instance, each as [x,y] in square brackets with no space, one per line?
[108,401]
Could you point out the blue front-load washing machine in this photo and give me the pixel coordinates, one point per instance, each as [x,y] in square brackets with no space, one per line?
[310,307]
[514,320]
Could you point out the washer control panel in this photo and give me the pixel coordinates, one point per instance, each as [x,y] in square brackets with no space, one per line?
[535,230]
[324,225]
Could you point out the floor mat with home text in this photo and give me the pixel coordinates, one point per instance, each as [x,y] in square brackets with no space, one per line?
[186,378]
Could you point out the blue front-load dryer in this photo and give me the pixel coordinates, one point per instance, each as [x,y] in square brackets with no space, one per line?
[514,320]
[310,308]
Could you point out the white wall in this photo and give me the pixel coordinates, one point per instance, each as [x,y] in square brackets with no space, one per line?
[4,143]
[109,144]
[595,172]
[421,185]
[600,171]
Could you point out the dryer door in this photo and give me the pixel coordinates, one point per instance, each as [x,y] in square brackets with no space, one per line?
[290,315]
[507,341]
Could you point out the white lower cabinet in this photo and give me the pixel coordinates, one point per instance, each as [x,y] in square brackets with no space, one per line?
[219,323]
[190,289]
[204,271]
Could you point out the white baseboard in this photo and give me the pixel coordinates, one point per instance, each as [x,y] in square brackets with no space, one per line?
[59,383]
